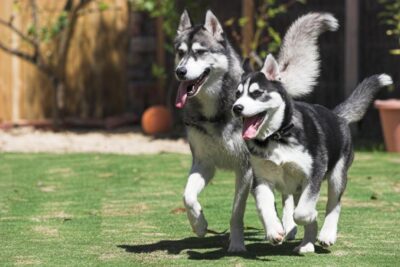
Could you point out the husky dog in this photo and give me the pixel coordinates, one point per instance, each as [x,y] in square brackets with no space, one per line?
[209,70]
[294,146]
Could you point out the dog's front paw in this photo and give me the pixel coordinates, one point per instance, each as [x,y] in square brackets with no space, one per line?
[200,226]
[304,217]
[198,222]
[235,247]
[304,248]
[327,237]
[290,228]
[236,240]
[275,234]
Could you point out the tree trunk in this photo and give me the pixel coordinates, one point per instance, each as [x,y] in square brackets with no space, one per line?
[58,86]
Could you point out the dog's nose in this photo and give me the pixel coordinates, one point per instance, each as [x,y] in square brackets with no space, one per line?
[181,72]
[237,109]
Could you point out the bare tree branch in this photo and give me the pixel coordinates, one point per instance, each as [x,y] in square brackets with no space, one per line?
[69,31]
[34,12]
[18,53]
[97,10]
[18,32]
[28,58]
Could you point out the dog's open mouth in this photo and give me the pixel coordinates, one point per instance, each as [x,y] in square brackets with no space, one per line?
[190,88]
[251,125]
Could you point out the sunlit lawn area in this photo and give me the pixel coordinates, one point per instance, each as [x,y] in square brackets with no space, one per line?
[92,209]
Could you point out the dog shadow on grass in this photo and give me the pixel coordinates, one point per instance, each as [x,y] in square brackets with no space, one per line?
[256,250]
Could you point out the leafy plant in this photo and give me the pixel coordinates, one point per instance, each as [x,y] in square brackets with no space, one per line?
[391,17]
[266,39]
[158,71]
[169,11]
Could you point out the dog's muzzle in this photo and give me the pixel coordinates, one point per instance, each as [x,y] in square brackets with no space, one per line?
[181,72]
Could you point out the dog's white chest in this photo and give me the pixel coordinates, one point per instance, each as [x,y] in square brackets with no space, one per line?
[224,151]
[285,167]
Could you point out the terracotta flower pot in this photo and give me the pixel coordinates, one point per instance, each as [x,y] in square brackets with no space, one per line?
[156,120]
[389,111]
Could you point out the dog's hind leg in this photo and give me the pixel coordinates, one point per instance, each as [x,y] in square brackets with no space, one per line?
[336,186]
[200,175]
[287,217]
[243,182]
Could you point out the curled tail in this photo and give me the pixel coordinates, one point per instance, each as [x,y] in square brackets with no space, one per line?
[355,106]
[299,55]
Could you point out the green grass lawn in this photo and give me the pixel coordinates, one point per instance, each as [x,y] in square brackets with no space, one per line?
[89,209]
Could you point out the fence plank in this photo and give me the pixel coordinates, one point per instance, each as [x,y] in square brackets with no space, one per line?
[248,29]
[351,45]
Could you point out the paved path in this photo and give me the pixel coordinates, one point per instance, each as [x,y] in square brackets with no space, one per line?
[128,142]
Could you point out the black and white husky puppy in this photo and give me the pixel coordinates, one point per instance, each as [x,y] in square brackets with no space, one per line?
[209,70]
[294,146]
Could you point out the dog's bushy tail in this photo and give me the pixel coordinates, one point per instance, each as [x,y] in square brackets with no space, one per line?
[355,106]
[299,55]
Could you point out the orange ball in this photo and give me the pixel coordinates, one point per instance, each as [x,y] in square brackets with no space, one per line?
[156,119]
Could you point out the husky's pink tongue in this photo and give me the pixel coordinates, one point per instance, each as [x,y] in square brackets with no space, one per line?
[250,127]
[181,96]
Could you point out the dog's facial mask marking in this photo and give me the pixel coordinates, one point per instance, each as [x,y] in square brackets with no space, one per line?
[199,57]
[256,101]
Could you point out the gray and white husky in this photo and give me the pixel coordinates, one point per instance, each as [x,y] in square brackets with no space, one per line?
[295,145]
[209,70]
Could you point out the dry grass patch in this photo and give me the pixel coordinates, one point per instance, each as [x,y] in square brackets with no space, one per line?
[46,230]
[27,260]
[47,188]
[396,187]
[122,209]
[54,215]
[362,157]
[105,175]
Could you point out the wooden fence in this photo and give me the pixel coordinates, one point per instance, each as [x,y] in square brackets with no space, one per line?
[96,64]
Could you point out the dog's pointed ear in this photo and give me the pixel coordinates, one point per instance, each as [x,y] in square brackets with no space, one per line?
[185,22]
[247,68]
[271,69]
[213,26]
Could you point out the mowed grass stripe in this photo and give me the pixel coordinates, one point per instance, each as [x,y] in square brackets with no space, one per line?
[90,209]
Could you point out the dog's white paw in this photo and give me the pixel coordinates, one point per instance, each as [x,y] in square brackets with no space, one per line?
[291,232]
[235,247]
[275,234]
[198,222]
[304,248]
[290,228]
[304,217]
[327,237]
